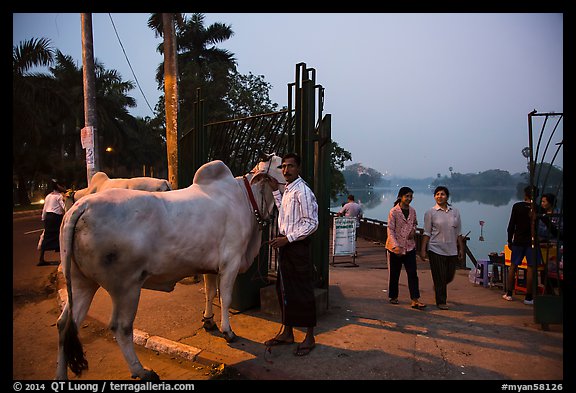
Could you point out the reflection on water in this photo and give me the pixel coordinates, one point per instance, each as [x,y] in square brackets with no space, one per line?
[491,206]
[373,197]
[494,197]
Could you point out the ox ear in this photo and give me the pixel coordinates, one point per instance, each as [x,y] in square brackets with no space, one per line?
[258,177]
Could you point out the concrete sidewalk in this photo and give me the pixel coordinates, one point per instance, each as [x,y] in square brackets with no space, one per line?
[361,336]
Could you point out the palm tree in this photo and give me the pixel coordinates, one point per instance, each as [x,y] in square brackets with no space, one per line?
[200,65]
[30,99]
[113,118]
[48,113]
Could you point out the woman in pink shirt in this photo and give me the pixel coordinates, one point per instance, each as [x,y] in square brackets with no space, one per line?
[401,247]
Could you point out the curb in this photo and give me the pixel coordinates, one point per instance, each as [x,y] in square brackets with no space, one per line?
[26,213]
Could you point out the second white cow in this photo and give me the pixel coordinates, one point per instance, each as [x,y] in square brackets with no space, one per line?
[100,182]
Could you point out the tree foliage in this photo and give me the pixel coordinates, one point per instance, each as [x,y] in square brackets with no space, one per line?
[48,109]
[360,176]
[547,177]
[48,114]
[249,95]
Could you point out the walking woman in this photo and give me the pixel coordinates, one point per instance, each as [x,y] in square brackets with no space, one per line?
[444,242]
[52,214]
[401,247]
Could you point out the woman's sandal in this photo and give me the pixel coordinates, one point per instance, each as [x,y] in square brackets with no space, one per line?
[417,305]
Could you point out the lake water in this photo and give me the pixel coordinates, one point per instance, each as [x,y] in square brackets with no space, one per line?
[489,205]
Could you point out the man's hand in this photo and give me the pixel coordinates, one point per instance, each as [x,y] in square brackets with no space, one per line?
[279,241]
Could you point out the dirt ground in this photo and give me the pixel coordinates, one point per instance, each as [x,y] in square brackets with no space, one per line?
[35,346]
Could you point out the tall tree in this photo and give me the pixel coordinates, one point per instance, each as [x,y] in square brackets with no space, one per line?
[30,93]
[249,95]
[200,65]
[48,113]
[338,157]
[171,97]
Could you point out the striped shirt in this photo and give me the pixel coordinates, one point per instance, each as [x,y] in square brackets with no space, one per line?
[443,228]
[297,210]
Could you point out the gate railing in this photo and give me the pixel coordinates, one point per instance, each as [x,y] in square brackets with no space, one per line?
[239,142]
[545,147]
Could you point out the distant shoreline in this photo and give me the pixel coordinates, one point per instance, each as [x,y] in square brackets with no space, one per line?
[430,187]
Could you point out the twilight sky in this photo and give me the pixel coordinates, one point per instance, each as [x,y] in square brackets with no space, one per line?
[410,94]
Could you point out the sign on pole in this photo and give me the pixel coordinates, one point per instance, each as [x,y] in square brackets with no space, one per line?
[87,140]
[344,238]
[87,137]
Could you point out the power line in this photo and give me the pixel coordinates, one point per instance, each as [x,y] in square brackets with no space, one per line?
[130,65]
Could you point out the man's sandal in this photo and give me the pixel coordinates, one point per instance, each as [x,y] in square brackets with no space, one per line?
[275,341]
[302,350]
[417,305]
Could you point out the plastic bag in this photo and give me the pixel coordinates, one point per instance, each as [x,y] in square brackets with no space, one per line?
[473,274]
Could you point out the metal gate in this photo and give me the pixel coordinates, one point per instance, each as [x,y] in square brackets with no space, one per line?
[300,128]
[545,148]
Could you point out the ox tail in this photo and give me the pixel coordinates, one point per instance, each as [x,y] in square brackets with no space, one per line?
[72,346]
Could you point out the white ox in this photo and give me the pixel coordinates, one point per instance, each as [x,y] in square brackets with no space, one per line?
[125,240]
[100,182]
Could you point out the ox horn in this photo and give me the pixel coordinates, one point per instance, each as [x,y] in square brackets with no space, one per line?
[265,157]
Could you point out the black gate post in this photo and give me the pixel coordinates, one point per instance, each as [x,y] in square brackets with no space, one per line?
[193,145]
[312,137]
[322,192]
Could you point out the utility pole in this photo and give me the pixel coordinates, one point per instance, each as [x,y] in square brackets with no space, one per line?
[89,135]
[171,97]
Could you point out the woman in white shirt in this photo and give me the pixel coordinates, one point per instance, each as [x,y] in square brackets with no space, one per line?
[52,214]
[442,243]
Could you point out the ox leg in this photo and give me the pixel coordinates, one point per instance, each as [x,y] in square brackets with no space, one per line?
[227,279]
[125,305]
[83,292]
[210,288]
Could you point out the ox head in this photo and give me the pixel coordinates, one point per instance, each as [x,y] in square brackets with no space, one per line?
[269,165]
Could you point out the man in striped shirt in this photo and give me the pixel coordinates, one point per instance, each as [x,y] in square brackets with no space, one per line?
[297,220]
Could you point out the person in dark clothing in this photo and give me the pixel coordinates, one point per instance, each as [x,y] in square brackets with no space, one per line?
[520,243]
[52,214]
[401,247]
[550,225]
[297,220]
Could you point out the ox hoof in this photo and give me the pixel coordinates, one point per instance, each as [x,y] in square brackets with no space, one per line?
[209,324]
[148,375]
[229,336]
